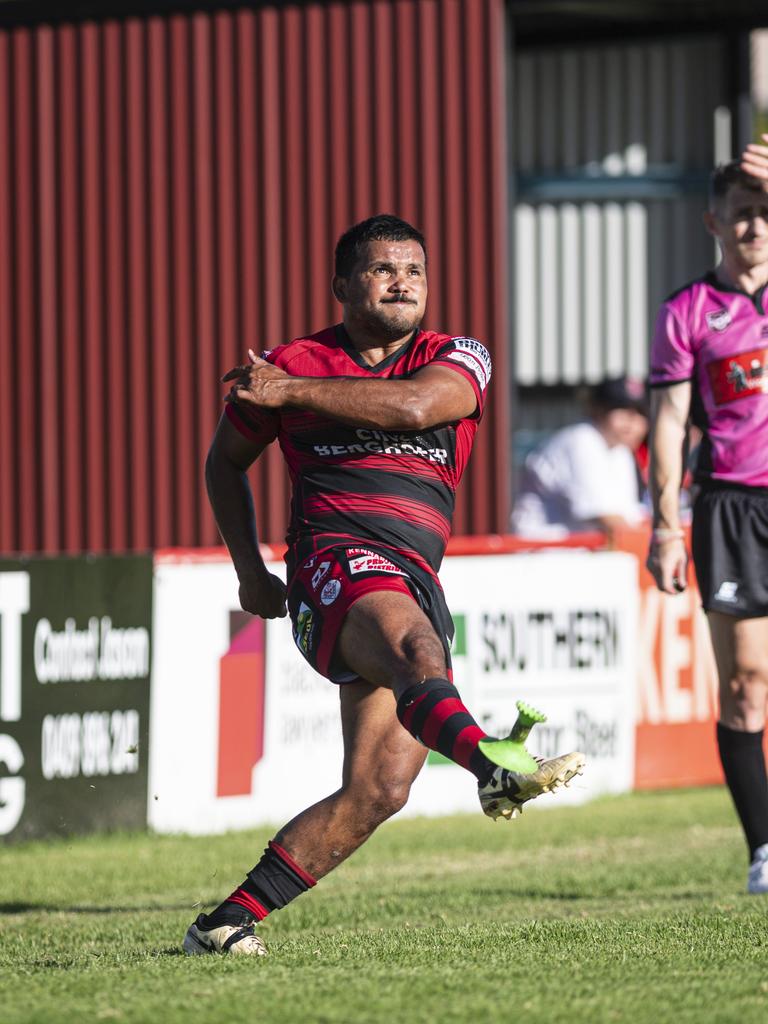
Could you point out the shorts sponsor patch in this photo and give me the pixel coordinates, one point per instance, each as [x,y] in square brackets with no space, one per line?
[319,574]
[727,592]
[330,591]
[304,633]
[739,376]
[362,560]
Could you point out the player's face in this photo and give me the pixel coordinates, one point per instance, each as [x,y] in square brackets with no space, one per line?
[740,223]
[386,292]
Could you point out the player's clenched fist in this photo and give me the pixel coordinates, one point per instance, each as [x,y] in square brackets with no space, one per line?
[263,594]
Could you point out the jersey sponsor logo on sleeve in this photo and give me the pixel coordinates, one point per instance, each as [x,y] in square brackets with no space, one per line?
[472,354]
[739,376]
[718,319]
[362,560]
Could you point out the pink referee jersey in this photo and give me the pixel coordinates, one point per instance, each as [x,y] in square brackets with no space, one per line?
[717,337]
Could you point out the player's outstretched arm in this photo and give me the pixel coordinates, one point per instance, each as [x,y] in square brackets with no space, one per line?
[667,556]
[754,159]
[229,457]
[433,395]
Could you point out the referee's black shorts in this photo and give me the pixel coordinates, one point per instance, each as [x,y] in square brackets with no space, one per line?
[729,541]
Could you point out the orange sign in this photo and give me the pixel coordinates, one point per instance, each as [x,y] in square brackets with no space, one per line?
[677,683]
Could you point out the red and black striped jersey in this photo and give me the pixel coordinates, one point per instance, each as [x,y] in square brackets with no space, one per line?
[391,489]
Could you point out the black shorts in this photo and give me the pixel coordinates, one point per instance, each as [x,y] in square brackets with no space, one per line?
[325,586]
[729,543]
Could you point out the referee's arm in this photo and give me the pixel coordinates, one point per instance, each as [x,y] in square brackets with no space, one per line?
[667,557]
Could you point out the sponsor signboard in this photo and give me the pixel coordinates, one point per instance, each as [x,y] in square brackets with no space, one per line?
[557,630]
[677,704]
[244,732]
[74,694]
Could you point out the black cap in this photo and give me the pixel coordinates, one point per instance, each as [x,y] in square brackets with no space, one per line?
[619,393]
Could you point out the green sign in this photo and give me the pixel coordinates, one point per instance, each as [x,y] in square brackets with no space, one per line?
[74,694]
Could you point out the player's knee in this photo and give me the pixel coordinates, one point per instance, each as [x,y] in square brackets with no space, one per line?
[382,798]
[748,685]
[391,797]
[752,674]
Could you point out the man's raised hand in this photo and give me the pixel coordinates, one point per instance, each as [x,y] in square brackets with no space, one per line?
[258,383]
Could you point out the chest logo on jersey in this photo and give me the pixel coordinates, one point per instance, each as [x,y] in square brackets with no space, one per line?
[378,443]
[739,376]
[718,320]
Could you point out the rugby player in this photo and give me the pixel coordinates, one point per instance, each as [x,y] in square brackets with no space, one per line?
[709,363]
[375,418]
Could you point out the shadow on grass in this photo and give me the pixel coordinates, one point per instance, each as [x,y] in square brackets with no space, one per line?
[33,908]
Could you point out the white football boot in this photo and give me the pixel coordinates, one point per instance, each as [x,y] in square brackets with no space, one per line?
[504,794]
[234,940]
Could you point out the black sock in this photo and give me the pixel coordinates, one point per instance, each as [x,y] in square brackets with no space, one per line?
[743,761]
[433,713]
[275,881]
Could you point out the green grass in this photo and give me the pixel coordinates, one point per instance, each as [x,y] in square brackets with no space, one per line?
[627,909]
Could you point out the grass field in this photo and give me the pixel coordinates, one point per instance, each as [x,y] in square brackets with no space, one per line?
[627,909]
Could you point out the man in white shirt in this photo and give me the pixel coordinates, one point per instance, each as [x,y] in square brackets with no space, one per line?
[585,477]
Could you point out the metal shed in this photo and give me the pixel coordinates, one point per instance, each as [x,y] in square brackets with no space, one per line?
[174,175]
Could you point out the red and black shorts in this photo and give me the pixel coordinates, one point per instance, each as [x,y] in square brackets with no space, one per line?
[729,542]
[324,588]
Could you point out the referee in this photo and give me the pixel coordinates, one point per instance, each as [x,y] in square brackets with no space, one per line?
[709,364]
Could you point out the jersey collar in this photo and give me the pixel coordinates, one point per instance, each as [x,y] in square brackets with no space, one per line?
[755,297]
[346,343]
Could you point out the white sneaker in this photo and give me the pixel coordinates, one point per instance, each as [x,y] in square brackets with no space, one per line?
[757,879]
[235,941]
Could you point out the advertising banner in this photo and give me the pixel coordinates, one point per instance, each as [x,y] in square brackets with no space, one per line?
[244,732]
[74,694]
[677,703]
[557,630]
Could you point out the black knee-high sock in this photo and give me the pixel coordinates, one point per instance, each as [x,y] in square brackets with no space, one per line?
[433,713]
[275,881]
[741,754]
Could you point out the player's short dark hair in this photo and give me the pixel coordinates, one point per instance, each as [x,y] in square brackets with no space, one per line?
[384,227]
[725,177]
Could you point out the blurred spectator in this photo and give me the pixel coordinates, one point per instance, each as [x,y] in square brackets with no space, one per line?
[586,476]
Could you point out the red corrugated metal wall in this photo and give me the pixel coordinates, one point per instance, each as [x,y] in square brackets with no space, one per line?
[171,189]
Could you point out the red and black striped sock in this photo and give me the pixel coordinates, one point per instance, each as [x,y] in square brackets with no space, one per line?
[433,713]
[275,881]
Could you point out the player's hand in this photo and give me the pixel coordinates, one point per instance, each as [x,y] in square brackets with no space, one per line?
[263,594]
[668,564]
[754,159]
[259,383]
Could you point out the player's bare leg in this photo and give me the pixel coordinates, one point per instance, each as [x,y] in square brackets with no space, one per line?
[387,638]
[381,760]
[741,653]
